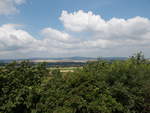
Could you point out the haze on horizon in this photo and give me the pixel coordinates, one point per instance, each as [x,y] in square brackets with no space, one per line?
[89,28]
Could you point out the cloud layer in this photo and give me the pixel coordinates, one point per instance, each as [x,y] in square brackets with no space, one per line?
[84,34]
[10,6]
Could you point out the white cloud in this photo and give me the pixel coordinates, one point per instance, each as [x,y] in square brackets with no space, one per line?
[12,39]
[9,6]
[82,21]
[84,34]
[114,28]
[55,34]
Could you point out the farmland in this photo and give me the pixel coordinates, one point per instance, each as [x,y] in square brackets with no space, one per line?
[65,69]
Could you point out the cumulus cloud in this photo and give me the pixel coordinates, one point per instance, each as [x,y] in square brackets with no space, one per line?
[81,21]
[13,39]
[9,6]
[84,34]
[55,34]
[118,31]
[88,22]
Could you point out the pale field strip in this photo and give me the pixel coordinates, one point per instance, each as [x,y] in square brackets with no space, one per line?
[55,61]
[66,69]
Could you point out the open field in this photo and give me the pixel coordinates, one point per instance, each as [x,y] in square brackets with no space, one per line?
[65,69]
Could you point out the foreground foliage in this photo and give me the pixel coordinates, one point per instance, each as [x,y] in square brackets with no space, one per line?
[99,87]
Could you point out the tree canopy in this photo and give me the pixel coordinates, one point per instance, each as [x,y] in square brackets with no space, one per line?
[99,87]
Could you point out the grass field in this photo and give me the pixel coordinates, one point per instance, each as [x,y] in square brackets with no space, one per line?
[65,69]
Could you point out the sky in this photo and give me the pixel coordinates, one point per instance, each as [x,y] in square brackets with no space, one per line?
[65,28]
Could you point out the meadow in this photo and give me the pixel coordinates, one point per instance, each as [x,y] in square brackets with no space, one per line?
[65,69]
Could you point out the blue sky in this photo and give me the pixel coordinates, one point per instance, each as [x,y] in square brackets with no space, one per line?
[37,15]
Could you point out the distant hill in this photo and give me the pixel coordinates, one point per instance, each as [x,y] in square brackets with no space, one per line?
[64,59]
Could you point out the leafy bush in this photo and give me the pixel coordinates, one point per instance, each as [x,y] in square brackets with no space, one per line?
[18,83]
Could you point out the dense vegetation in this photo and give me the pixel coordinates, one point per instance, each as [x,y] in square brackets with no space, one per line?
[99,87]
[53,64]
[65,64]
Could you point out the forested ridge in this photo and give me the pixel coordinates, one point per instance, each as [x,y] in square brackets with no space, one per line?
[99,87]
